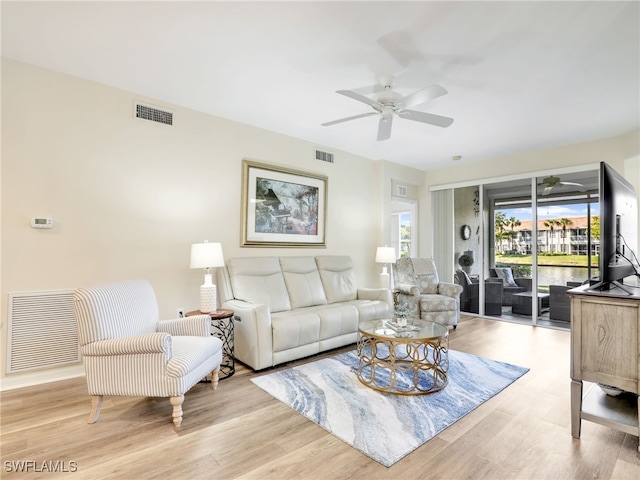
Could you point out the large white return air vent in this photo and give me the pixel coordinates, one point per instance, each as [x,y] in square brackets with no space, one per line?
[42,331]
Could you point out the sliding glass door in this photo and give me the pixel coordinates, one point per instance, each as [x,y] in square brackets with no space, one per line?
[522,243]
[511,261]
[568,238]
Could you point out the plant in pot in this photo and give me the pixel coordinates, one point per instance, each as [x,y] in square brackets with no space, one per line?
[402,314]
[466,262]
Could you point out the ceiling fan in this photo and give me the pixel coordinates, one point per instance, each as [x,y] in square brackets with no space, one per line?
[552,182]
[388,103]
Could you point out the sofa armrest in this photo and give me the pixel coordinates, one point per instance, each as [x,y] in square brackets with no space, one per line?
[196,326]
[253,336]
[157,342]
[452,290]
[382,294]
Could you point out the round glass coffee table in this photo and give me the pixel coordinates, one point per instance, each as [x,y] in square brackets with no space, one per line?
[409,360]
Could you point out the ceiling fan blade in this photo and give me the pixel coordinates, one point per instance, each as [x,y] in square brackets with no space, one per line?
[421,96]
[571,183]
[333,122]
[384,128]
[360,98]
[424,117]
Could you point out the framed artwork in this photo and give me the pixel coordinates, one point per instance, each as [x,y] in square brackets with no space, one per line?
[282,207]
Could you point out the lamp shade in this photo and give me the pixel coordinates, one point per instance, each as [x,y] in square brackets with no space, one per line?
[206,255]
[386,255]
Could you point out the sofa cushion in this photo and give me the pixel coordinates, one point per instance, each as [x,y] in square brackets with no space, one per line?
[338,277]
[370,309]
[303,282]
[259,280]
[295,328]
[337,320]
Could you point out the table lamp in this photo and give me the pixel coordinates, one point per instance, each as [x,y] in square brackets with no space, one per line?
[207,255]
[385,255]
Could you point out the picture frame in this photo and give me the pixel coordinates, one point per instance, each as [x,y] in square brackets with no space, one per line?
[282,207]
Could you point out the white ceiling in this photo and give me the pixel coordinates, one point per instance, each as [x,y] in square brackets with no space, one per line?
[520,75]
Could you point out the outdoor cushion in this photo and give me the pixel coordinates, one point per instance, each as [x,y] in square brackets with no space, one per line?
[506,274]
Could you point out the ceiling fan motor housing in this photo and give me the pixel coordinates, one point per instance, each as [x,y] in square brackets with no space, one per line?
[388,97]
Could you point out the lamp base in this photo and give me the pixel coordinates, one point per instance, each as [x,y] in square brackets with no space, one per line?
[208,296]
[384,280]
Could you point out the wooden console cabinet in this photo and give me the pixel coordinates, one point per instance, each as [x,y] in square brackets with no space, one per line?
[605,328]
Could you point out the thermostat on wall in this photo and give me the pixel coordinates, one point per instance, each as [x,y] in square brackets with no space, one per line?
[42,222]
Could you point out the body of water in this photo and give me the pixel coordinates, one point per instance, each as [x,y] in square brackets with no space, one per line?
[562,275]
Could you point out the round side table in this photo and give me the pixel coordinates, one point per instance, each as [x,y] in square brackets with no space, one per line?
[222,327]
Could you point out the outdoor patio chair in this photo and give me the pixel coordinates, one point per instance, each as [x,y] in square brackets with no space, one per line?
[470,296]
[510,284]
[559,303]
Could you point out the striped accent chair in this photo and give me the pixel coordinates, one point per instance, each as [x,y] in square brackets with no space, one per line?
[128,351]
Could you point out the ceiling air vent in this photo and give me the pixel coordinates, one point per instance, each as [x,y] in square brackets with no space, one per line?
[401,190]
[324,156]
[155,114]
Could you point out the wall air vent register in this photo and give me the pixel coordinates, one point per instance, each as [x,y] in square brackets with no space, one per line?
[154,114]
[324,156]
[401,190]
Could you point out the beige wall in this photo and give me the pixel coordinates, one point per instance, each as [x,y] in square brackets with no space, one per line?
[621,152]
[129,197]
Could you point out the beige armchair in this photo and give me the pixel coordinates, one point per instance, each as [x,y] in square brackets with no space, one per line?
[418,287]
[128,352]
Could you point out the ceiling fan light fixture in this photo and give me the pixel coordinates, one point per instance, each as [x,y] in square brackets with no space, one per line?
[387,113]
[456,157]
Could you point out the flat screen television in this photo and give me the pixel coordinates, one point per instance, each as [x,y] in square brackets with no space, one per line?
[618,230]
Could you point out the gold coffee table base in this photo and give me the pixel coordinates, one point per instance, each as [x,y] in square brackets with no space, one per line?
[403,363]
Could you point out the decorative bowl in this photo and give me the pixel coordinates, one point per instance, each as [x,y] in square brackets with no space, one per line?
[610,390]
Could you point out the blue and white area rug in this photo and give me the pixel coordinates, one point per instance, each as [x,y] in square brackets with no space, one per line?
[382,426]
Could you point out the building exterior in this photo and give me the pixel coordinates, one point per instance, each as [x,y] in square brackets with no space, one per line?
[558,235]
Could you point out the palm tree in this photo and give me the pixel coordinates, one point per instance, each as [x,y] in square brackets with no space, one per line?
[550,224]
[500,220]
[513,222]
[564,223]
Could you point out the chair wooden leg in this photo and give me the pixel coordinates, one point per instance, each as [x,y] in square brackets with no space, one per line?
[177,409]
[215,378]
[96,405]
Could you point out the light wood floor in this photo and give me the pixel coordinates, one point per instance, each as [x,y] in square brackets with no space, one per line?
[240,432]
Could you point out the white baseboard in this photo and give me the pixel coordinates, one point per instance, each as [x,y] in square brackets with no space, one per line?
[11,382]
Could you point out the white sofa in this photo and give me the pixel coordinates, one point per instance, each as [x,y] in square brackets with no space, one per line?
[286,308]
